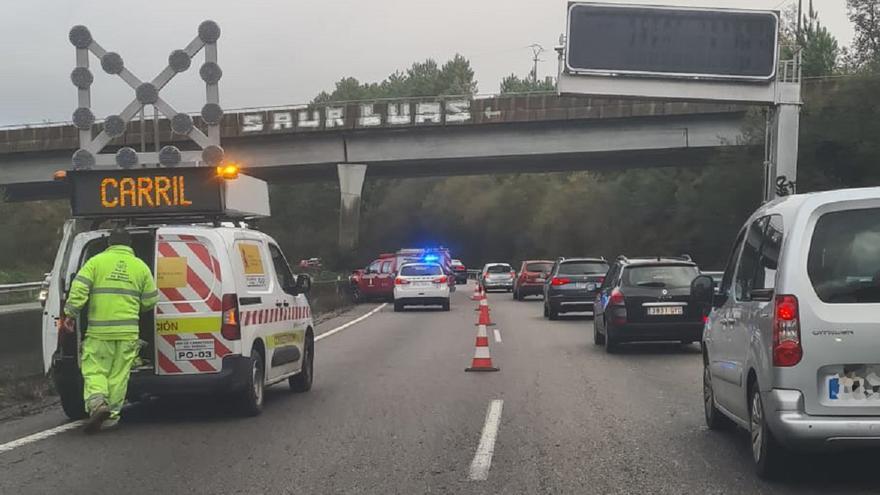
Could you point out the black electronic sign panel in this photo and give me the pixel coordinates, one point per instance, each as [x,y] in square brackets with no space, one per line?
[145,192]
[671,42]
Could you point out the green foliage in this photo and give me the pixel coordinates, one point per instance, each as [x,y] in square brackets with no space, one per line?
[865,16]
[514,84]
[821,55]
[30,238]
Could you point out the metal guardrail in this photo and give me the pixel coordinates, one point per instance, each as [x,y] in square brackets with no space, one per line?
[19,293]
[8,288]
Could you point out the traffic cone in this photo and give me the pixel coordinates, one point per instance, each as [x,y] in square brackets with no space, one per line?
[482,360]
[483,302]
[484,316]
[477,292]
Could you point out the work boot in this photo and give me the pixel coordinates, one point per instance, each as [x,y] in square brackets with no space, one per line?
[97,416]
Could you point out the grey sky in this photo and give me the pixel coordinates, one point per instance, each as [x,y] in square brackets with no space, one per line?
[280,52]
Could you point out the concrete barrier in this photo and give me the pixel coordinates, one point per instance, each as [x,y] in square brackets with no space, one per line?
[21,351]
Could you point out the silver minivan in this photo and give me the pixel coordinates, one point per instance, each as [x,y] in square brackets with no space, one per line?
[791,348]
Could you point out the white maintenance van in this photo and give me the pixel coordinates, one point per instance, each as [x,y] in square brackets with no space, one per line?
[232,317]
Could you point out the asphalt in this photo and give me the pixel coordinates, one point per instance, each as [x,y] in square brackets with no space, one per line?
[392,411]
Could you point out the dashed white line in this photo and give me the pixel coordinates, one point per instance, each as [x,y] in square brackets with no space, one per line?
[36,437]
[6,447]
[483,457]
[497,336]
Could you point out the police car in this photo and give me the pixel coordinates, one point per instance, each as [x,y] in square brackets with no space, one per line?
[232,317]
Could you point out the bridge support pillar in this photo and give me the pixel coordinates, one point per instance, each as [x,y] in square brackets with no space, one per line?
[783,125]
[351,183]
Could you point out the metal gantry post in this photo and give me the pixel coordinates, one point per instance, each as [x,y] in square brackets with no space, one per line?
[783,125]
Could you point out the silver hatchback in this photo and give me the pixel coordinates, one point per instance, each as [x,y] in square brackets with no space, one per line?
[791,347]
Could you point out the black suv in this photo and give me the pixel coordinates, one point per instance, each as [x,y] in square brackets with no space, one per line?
[647,299]
[571,285]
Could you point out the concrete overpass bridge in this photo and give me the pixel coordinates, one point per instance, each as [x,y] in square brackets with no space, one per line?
[411,137]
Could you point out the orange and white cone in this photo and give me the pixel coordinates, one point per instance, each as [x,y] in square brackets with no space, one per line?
[482,302]
[478,292]
[484,316]
[482,360]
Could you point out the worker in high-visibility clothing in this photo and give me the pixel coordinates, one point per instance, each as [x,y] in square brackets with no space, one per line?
[118,286]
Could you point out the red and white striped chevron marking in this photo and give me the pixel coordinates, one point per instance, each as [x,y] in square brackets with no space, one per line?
[274,315]
[201,295]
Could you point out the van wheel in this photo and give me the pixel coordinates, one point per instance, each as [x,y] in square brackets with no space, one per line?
[251,399]
[302,382]
[598,338]
[553,313]
[715,419]
[766,452]
[70,391]
[398,307]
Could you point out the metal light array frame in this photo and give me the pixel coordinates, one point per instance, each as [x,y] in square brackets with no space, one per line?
[147,93]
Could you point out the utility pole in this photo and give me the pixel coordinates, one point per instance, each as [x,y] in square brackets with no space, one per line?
[537,49]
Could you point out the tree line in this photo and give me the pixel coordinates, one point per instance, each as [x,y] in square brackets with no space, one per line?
[512,217]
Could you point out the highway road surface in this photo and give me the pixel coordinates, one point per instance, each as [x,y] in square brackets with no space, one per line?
[393,411]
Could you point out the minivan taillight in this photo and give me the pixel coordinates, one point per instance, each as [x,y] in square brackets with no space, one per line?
[787,350]
[557,281]
[230,328]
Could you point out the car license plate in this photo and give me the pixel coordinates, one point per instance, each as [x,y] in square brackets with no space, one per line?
[422,284]
[580,286]
[665,310]
[189,349]
[539,279]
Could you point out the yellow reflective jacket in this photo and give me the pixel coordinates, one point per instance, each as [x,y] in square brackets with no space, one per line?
[117,286]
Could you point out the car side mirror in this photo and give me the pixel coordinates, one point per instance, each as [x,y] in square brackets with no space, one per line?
[302,285]
[702,289]
[763,295]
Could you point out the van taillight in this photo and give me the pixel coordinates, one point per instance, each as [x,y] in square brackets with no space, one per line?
[231,324]
[787,350]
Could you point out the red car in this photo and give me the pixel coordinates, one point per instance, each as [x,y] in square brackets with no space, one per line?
[530,281]
[376,281]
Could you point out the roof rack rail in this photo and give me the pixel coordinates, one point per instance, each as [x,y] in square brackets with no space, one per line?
[621,257]
[686,257]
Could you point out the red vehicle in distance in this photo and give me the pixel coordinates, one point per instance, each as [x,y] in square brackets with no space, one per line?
[376,281]
[530,281]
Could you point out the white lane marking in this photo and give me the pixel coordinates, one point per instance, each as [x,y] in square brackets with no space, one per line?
[483,457]
[497,336]
[36,437]
[352,322]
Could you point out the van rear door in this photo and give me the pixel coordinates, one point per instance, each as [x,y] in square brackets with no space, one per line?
[839,372]
[188,315]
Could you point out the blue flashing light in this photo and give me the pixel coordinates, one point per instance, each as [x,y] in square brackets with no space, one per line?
[431,257]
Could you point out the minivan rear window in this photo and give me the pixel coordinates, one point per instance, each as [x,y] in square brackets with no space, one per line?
[665,276]
[539,267]
[844,259]
[499,269]
[420,270]
[583,268]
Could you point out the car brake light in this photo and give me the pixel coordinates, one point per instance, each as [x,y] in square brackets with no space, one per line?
[230,328]
[787,350]
[556,281]
[400,281]
[440,280]
[617,298]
